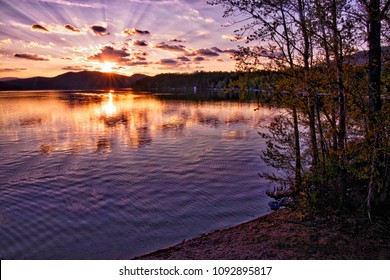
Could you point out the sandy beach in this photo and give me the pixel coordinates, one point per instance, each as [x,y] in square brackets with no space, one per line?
[286,235]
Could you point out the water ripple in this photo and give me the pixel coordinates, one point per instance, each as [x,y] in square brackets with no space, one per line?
[76,185]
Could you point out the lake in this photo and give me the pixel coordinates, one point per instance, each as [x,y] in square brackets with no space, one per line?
[112,175]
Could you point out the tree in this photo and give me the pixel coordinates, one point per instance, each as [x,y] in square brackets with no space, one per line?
[282,27]
[308,41]
[374,12]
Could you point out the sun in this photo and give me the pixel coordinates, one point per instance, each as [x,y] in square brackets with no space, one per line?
[107,66]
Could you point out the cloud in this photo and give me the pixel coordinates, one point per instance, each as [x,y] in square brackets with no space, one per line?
[30,45]
[136,63]
[233,37]
[168,61]
[209,20]
[140,43]
[12,69]
[39,27]
[228,51]
[217,49]
[183,58]
[120,56]
[6,41]
[194,16]
[177,40]
[206,52]
[140,53]
[71,28]
[199,58]
[108,53]
[140,58]
[173,48]
[30,56]
[76,68]
[99,30]
[133,32]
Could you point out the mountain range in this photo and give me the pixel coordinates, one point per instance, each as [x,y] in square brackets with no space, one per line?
[83,80]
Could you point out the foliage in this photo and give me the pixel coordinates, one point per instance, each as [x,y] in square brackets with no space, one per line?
[332,147]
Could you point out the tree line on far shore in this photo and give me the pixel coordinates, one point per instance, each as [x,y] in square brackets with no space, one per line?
[186,81]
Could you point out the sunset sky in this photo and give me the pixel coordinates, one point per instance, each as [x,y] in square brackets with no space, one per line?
[50,37]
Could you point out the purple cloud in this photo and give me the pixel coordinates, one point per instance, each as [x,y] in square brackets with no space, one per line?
[136,63]
[177,40]
[183,58]
[140,43]
[76,68]
[206,52]
[30,56]
[216,49]
[167,61]
[229,51]
[108,53]
[199,58]
[12,69]
[99,30]
[134,31]
[173,48]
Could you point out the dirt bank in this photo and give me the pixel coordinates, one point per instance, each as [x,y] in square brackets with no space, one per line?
[288,235]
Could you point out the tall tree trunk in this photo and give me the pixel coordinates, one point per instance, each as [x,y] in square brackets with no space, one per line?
[298,167]
[305,33]
[289,57]
[311,97]
[374,93]
[338,54]
[374,56]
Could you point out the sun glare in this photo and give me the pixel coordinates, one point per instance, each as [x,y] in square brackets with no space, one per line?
[107,66]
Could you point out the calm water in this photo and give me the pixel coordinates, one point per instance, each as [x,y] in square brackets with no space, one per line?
[115,175]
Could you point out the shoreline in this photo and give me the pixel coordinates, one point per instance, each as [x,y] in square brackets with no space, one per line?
[286,235]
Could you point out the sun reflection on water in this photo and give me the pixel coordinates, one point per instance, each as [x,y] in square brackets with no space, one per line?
[80,160]
[121,118]
[108,107]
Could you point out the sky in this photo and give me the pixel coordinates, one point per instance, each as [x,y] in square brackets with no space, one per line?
[50,37]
